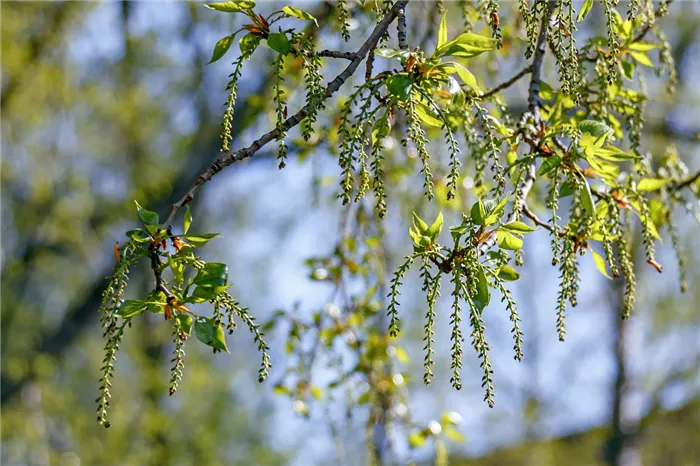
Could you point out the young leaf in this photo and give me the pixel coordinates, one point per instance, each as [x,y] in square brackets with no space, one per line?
[185,321]
[279,43]
[478,213]
[399,85]
[131,307]
[442,32]
[642,46]
[297,13]
[233,7]
[466,45]
[587,5]
[483,295]
[508,241]
[420,225]
[600,264]
[436,227]
[425,115]
[519,227]
[221,48]
[651,184]
[587,198]
[248,43]
[210,333]
[390,53]
[642,58]
[465,74]
[188,219]
[508,273]
[147,217]
[595,128]
[198,239]
[549,164]
[211,275]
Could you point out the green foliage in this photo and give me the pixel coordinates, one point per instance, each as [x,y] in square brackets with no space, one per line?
[193,281]
[575,150]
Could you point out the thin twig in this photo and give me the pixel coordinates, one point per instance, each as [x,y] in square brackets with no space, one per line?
[294,120]
[687,182]
[507,84]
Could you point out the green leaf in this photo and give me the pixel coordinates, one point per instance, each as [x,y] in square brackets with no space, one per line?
[643,46]
[399,85]
[452,434]
[600,264]
[478,213]
[279,43]
[138,235]
[567,189]
[248,43]
[642,58]
[198,240]
[627,69]
[425,115]
[416,439]
[483,295]
[188,219]
[232,7]
[613,154]
[549,164]
[442,31]
[651,184]
[519,227]
[221,48]
[156,301]
[185,321]
[587,198]
[420,225]
[436,227]
[386,52]
[508,273]
[209,332]
[508,241]
[595,128]
[211,275]
[132,307]
[587,5]
[297,13]
[462,72]
[466,45]
[495,212]
[148,217]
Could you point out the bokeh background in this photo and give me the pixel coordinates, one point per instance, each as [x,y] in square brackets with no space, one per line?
[107,102]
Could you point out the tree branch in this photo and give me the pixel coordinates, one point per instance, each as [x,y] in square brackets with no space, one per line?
[507,84]
[337,54]
[533,108]
[294,120]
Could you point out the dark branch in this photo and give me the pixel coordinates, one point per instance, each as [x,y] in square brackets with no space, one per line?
[337,54]
[507,84]
[294,120]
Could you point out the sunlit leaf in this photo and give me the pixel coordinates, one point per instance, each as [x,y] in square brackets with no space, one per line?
[297,13]
[600,264]
[147,217]
[652,184]
[209,332]
[232,7]
[221,48]
[508,241]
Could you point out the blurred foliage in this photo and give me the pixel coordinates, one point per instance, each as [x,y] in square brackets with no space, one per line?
[667,438]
